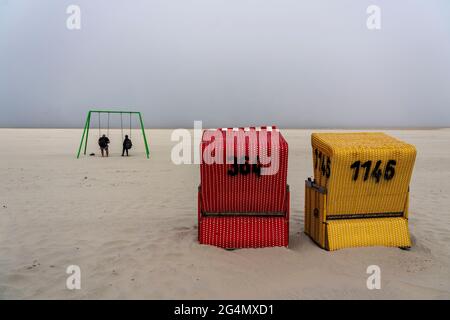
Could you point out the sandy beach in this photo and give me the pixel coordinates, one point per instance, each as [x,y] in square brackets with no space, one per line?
[131,226]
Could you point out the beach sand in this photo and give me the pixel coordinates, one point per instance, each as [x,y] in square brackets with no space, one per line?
[131,226]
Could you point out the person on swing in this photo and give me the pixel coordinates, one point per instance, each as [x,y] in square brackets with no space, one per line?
[103,143]
[126,145]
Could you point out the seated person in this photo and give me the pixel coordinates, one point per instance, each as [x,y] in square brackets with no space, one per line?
[103,143]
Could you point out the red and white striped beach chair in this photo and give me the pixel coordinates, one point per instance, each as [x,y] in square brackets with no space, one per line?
[238,205]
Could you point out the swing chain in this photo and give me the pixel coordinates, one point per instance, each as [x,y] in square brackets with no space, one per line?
[107,133]
[121,125]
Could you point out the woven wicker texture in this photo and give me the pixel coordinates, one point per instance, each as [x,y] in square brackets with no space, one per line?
[315,215]
[360,193]
[244,210]
[244,193]
[383,188]
[233,232]
[345,233]
[388,232]
[244,232]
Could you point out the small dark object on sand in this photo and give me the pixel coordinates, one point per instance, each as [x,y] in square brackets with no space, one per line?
[92,154]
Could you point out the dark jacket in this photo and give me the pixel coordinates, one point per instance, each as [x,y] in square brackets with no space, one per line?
[103,142]
[127,143]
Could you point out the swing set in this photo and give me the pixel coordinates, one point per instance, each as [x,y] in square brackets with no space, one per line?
[85,136]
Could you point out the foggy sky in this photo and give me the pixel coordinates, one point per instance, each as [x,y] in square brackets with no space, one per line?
[289,63]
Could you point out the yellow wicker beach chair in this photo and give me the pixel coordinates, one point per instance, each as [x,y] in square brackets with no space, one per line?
[359,195]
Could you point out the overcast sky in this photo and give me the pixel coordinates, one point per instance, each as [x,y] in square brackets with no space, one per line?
[290,63]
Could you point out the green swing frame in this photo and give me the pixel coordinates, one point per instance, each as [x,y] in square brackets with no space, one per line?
[85,136]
